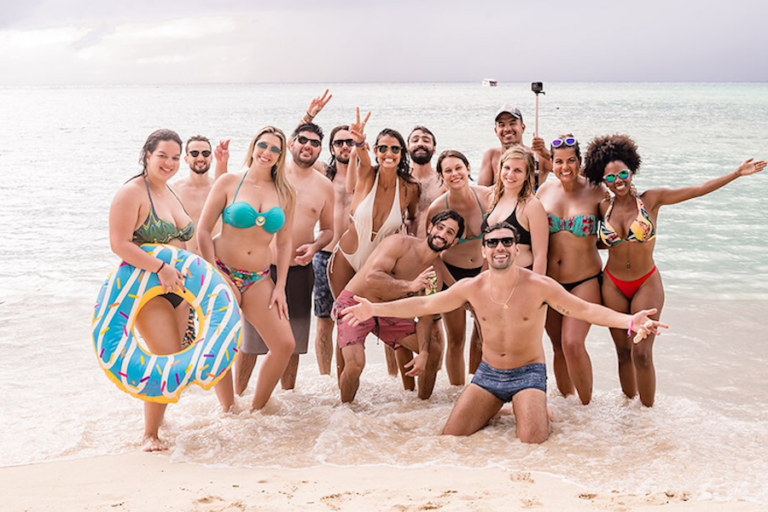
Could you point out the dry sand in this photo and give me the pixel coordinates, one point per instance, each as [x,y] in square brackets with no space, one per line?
[150,482]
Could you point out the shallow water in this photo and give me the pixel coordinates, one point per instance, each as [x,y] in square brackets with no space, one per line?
[67,150]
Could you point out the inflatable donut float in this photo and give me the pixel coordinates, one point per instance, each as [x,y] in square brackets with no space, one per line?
[162,378]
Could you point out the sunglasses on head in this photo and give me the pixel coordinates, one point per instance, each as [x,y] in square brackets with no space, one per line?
[383,149]
[568,141]
[492,243]
[263,146]
[341,142]
[611,178]
[303,140]
[195,152]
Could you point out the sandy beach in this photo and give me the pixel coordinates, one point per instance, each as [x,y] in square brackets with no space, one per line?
[150,482]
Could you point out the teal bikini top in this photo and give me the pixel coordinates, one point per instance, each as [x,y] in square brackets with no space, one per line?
[158,231]
[580,225]
[485,217]
[244,216]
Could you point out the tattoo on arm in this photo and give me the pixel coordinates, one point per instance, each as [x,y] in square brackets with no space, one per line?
[560,309]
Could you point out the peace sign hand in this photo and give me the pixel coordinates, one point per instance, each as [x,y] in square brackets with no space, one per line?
[319,104]
[357,129]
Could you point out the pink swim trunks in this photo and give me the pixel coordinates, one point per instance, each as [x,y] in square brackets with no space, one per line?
[390,330]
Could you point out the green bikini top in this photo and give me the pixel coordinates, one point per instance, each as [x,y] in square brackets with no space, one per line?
[158,231]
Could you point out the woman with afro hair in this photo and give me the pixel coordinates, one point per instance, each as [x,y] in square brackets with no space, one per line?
[631,280]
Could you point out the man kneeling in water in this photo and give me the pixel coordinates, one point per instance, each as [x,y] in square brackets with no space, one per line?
[511,305]
[400,266]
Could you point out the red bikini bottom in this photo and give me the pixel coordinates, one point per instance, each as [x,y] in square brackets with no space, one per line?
[629,288]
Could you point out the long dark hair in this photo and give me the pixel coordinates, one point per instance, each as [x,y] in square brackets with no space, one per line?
[330,170]
[404,167]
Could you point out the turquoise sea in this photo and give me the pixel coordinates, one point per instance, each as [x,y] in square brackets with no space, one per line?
[66,150]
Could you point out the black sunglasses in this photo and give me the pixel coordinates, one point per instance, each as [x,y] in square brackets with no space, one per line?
[341,142]
[195,152]
[383,149]
[303,140]
[492,243]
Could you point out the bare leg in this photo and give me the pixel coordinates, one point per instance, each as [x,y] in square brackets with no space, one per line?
[160,328]
[392,365]
[403,356]
[349,379]
[475,349]
[473,410]
[614,299]
[244,365]
[225,392]
[455,330]
[277,335]
[289,375]
[554,328]
[324,345]
[530,406]
[650,295]
[434,358]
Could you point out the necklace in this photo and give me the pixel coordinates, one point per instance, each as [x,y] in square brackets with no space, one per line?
[514,287]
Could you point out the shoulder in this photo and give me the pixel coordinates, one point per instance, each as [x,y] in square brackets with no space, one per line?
[533,205]
[134,191]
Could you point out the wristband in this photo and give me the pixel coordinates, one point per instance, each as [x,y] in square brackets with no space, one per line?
[631,326]
[162,265]
[362,144]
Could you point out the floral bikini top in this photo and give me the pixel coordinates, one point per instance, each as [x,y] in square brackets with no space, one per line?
[158,231]
[642,228]
[244,216]
[580,225]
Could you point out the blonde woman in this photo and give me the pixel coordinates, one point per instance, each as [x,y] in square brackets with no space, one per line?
[256,207]
[514,203]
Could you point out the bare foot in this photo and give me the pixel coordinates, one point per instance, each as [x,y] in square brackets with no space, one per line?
[509,411]
[151,443]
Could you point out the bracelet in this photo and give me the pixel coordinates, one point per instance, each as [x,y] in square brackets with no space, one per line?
[631,327]
[362,144]
[162,265]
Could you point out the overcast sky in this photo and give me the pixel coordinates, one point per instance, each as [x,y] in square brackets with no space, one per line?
[252,41]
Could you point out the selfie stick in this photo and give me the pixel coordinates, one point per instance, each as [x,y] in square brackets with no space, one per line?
[537,88]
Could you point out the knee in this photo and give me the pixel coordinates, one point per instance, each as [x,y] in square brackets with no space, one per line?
[572,344]
[643,357]
[624,355]
[284,347]
[533,435]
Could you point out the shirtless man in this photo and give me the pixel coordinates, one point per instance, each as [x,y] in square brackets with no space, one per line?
[421,148]
[401,265]
[340,146]
[193,190]
[511,306]
[314,203]
[509,129]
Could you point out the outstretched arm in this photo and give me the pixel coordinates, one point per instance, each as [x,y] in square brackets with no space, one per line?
[661,197]
[448,300]
[568,304]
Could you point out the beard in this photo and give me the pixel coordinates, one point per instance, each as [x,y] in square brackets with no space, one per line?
[431,243]
[342,158]
[201,170]
[421,155]
[305,162]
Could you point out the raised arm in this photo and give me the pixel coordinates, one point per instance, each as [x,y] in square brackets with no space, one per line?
[545,159]
[362,160]
[315,106]
[441,302]
[660,197]
[221,153]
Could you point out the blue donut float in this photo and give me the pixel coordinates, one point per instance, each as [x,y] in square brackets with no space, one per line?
[162,378]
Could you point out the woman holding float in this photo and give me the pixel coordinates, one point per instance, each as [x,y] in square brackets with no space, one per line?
[256,206]
[464,259]
[632,282]
[514,202]
[573,210]
[147,211]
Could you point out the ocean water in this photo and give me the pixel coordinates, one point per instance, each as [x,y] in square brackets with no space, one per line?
[66,150]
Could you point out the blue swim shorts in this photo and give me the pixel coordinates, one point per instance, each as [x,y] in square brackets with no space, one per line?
[322,290]
[505,384]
